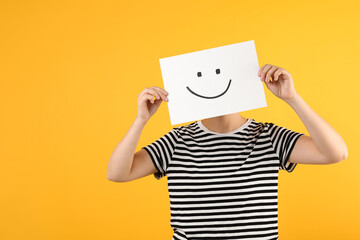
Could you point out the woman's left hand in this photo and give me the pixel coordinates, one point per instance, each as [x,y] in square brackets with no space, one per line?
[282,85]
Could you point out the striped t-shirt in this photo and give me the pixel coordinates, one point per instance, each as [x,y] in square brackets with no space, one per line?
[224,185]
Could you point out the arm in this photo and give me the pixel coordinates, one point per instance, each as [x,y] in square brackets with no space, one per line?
[324,139]
[121,159]
[324,145]
[125,165]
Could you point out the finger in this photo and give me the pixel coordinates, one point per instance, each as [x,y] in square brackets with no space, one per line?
[264,71]
[277,74]
[153,92]
[149,97]
[162,90]
[261,69]
[161,93]
[270,73]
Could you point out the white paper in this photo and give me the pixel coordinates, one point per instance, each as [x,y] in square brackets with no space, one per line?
[234,87]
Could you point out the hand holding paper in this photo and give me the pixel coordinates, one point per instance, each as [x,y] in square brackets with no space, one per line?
[147,106]
[282,84]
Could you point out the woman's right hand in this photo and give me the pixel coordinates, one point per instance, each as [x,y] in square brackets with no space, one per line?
[147,106]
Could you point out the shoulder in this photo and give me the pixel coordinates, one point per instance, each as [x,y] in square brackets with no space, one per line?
[260,126]
[188,129]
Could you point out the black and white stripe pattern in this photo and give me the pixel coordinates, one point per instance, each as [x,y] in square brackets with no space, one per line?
[223,185]
[161,152]
[283,141]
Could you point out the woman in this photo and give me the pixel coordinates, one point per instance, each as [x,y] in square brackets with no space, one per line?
[223,171]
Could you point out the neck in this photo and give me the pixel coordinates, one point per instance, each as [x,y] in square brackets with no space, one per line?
[224,123]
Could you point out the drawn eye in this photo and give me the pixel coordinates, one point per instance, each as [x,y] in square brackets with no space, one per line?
[217,71]
[199,74]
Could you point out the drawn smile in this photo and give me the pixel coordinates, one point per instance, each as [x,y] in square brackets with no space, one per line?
[196,94]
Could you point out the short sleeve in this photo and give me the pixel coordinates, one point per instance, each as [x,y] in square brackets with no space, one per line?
[283,141]
[161,152]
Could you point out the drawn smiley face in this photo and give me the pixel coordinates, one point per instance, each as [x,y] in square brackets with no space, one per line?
[217,71]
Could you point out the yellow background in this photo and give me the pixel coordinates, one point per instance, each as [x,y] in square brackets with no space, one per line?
[70,74]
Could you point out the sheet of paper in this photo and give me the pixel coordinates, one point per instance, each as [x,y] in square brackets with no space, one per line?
[212,82]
